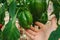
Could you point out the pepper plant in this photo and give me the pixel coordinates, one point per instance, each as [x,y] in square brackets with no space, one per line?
[26,11]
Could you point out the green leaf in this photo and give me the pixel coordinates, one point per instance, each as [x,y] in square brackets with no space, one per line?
[12,9]
[0,35]
[11,32]
[2,14]
[2,1]
[9,1]
[44,18]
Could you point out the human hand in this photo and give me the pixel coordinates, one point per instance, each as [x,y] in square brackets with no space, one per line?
[44,32]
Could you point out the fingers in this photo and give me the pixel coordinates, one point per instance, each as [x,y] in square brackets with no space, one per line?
[33,29]
[29,35]
[54,21]
[40,24]
[31,32]
[50,17]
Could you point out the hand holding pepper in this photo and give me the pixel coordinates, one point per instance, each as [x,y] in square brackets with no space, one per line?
[44,32]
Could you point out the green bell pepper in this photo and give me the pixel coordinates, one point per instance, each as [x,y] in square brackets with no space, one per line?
[25,19]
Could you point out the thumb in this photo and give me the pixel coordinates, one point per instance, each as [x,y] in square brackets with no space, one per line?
[54,23]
